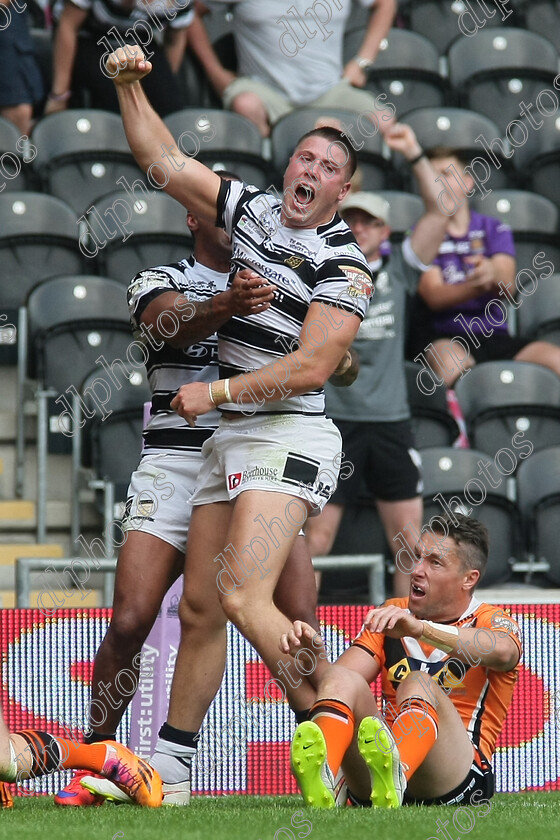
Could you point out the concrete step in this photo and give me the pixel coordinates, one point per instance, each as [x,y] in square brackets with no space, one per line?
[10,551]
[19,516]
[59,473]
[17,513]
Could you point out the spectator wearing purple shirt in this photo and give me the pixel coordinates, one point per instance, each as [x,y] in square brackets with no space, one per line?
[466,291]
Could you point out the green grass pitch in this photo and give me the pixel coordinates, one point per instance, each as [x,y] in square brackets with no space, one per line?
[511,817]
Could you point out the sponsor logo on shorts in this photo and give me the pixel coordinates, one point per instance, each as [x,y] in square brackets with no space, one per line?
[234,480]
[253,474]
[260,474]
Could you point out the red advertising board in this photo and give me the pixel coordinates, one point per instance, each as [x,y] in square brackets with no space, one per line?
[46,666]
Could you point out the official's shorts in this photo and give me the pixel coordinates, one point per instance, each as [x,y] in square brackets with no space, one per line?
[279,453]
[386,464]
[479,781]
[159,496]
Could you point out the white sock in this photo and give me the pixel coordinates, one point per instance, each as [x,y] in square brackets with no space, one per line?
[172,761]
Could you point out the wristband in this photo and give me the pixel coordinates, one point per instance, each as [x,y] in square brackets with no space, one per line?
[219,391]
[210,394]
[417,158]
[441,636]
[60,97]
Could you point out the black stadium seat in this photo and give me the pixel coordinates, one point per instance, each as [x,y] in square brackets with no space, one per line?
[82,154]
[512,408]
[533,220]
[458,128]
[538,315]
[500,68]
[406,69]
[432,422]
[39,237]
[538,483]
[452,482]
[222,140]
[148,231]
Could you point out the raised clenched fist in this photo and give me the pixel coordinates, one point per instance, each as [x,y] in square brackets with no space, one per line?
[126,65]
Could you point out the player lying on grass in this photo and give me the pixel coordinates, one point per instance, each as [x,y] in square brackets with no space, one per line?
[448,665]
[30,753]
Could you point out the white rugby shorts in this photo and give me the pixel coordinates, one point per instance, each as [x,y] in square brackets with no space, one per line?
[279,453]
[159,496]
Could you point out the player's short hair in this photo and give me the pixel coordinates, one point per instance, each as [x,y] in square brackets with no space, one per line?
[470,535]
[328,132]
[442,152]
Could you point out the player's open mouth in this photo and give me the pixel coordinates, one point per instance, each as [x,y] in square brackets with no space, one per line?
[304,195]
[417,591]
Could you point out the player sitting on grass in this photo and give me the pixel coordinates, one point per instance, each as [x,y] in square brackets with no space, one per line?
[30,753]
[446,687]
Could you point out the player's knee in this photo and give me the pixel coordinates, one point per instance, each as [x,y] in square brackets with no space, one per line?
[418,683]
[195,614]
[237,609]
[128,630]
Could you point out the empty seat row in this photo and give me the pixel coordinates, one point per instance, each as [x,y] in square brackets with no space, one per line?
[81,154]
[521,515]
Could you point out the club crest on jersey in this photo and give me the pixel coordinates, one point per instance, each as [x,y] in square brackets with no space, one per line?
[359,284]
[293,261]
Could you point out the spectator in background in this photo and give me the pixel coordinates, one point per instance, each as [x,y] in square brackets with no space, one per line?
[21,87]
[94,28]
[289,59]
[372,415]
[475,265]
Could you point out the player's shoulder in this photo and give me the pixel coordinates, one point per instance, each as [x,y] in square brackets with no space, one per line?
[162,276]
[396,602]
[495,617]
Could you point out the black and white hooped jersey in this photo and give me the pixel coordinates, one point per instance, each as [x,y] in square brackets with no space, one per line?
[323,265]
[168,368]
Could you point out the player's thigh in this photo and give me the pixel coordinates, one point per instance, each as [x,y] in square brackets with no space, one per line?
[296,592]
[146,568]
[321,530]
[207,555]
[262,559]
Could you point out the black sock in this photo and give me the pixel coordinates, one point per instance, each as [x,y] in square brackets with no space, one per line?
[96,737]
[302,715]
[179,736]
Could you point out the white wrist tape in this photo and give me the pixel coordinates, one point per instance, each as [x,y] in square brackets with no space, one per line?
[442,636]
